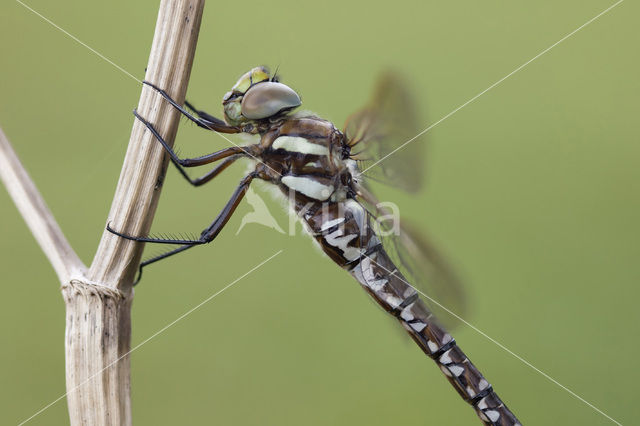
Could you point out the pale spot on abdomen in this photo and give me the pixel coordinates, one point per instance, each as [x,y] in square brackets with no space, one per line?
[337,239]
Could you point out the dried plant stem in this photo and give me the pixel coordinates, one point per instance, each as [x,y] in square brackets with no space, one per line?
[98,299]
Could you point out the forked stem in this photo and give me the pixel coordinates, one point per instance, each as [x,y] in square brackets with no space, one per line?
[98,300]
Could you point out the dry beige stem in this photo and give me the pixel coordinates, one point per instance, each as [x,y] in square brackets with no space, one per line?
[98,300]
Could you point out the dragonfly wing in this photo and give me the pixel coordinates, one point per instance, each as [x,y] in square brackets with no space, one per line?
[377,135]
[377,132]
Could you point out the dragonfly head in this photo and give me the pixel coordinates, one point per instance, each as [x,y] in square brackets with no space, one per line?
[257,96]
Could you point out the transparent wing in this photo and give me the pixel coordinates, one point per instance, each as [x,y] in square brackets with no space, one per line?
[376,135]
[377,131]
[417,259]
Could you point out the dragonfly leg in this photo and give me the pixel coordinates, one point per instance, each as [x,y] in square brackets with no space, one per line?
[160,257]
[211,232]
[229,154]
[197,161]
[203,120]
[202,114]
[210,174]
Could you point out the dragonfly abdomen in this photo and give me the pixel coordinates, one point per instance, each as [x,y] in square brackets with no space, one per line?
[382,280]
[339,229]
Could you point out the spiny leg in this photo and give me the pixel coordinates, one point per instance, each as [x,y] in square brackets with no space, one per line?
[211,232]
[197,161]
[207,121]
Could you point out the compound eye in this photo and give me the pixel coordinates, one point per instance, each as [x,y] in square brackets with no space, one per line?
[267,99]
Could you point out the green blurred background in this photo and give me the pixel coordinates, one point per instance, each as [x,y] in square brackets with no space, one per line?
[532,191]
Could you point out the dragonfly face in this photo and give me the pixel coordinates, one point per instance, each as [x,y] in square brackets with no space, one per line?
[258,96]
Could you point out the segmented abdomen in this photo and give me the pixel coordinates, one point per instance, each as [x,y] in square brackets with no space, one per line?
[381,279]
[344,232]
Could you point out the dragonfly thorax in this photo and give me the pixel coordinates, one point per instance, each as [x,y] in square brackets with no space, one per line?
[307,156]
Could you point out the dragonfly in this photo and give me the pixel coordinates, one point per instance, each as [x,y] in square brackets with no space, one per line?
[320,168]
